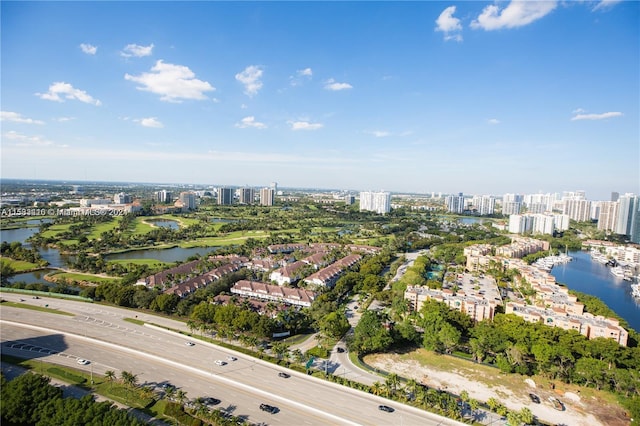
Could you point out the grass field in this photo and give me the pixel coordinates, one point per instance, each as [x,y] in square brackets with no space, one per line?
[72,276]
[18,265]
[54,230]
[237,237]
[36,308]
[98,229]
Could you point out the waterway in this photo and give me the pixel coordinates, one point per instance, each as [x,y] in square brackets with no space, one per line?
[164,223]
[585,275]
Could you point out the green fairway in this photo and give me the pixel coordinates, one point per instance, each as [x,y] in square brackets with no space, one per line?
[72,276]
[149,262]
[18,265]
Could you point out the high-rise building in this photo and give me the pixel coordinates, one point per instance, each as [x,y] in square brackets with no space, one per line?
[267,196]
[164,196]
[455,203]
[635,223]
[615,196]
[379,202]
[626,208]
[608,217]
[578,209]
[122,198]
[484,204]
[519,224]
[225,196]
[188,200]
[246,195]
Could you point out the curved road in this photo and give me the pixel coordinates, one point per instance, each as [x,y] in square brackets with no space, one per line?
[101,335]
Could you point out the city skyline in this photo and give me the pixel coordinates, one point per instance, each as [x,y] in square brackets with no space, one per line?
[473,97]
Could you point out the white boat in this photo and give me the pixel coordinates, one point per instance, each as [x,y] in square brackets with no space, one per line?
[618,271]
[635,290]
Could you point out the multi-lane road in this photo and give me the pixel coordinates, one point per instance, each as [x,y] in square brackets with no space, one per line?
[101,335]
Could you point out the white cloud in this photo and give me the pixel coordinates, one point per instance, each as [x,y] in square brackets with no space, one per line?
[605,4]
[64,119]
[69,92]
[150,122]
[601,116]
[379,133]
[20,140]
[518,13]
[301,76]
[304,125]
[136,50]
[331,84]
[17,118]
[88,48]
[172,82]
[250,77]
[493,121]
[250,121]
[449,25]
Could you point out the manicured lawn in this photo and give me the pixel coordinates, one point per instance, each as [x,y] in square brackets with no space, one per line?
[103,227]
[237,237]
[71,276]
[18,265]
[54,230]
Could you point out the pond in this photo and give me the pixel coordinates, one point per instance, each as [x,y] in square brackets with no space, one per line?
[164,223]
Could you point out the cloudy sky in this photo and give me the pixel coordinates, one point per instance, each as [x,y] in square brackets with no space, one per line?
[474,97]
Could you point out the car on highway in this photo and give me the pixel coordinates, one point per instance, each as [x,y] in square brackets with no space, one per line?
[232,358]
[220,362]
[269,408]
[189,343]
[534,398]
[386,408]
[210,401]
[82,361]
[284,375]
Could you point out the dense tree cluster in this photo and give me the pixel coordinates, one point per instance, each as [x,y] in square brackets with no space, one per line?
[30,399]
[17,251]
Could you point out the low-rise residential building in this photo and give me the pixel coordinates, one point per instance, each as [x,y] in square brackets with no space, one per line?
[264,291]
[288,274]
[328,276]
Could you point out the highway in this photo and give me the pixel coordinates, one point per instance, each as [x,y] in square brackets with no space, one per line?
[101,334]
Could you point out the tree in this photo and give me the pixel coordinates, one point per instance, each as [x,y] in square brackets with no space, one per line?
[370,335]
[110,375]
[334,324]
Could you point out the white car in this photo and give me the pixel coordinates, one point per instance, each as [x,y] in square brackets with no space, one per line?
[189,343]
[82,361]
[220,362]
[232,358]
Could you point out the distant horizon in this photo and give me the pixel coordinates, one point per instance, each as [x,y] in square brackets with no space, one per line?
[205,186]
[478,97]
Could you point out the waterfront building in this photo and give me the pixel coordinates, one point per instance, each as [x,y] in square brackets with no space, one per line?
[225,196]
[455,203]
[561,222]
[267,196]
[484,204]
[520,224]
[379,202]
[627,206]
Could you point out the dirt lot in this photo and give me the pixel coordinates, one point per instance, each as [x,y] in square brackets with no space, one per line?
[583,407]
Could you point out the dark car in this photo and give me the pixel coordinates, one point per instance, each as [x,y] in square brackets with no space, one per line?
[534,398]
[284,375]
[211,401]
[386,408]
[269,408]
[340,350]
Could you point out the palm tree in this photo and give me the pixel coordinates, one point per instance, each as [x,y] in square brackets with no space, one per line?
[412,387]
[110,375]
[376,388]
[170,392]
[392,383]
[181,396]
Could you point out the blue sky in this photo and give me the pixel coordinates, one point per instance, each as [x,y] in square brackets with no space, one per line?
[473,97]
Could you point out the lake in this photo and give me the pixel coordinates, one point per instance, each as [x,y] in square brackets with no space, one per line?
[588,276]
